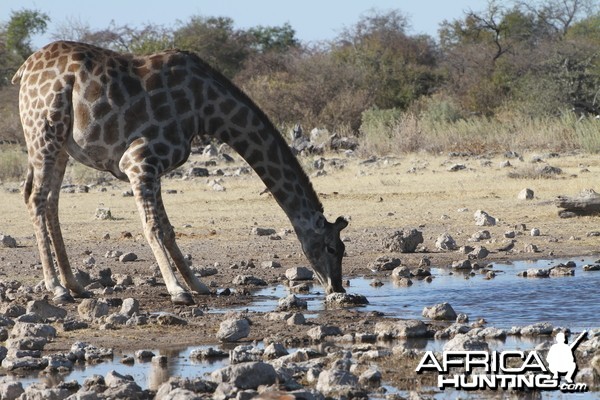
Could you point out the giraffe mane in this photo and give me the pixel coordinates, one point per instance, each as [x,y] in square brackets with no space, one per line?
[287,154]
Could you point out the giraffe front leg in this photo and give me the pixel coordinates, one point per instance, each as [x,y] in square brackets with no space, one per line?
[146,191]
[171,244]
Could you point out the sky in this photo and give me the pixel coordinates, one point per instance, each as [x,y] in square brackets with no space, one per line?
[313,20]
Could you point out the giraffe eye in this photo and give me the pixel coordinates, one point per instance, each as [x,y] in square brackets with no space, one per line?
[330,249]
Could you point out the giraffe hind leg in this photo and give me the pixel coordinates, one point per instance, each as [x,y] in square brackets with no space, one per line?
[37,189]
[66,273]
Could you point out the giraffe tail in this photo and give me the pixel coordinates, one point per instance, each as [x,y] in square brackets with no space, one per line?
[28,184]
[19,74]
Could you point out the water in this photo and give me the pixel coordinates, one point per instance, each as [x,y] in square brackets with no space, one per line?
[504,301]
[146,374]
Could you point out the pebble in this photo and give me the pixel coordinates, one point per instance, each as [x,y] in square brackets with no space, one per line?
[128,257]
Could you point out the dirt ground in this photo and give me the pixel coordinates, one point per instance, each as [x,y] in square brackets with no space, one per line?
[378,196]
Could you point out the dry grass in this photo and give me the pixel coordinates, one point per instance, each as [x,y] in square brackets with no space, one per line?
[378,198]
[401,132]
[13,162]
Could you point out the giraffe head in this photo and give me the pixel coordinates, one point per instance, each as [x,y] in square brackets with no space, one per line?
[324,249]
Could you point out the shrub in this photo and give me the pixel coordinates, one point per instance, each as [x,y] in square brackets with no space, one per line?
[13,163]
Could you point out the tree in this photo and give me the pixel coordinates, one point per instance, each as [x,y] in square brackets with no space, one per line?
[215,40]
[273,38]
[15,40]
[397,68]
[22,25]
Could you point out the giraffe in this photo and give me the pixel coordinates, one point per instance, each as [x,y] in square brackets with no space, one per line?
[135,117]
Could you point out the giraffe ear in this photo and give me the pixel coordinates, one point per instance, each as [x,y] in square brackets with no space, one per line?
[340,223]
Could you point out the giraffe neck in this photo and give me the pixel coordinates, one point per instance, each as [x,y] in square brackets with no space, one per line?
[282,174]
[245,128]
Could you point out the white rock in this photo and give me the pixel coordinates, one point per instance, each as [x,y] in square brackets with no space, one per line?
[233,329]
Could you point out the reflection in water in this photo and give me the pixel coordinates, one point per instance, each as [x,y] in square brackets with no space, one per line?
[504,301]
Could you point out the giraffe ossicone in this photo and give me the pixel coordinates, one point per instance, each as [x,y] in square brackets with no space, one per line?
[135,117]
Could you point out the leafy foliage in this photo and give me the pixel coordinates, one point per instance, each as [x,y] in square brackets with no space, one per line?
[520,61]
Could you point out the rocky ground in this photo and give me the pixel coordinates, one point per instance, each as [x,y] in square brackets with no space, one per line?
[406,214]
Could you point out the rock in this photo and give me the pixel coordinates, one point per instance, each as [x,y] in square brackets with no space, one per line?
[411,328]
[248,375]
[296,319]
[463,342]
[525,194]
[113,254]
[530,248]
[405,241]
[144,355]
[441,311]
[130,306]
[445,242]
[462,318]
[169,319]
[345,299]
[479,252]
[198,172]
[26,329]
[103,214]
[592,267]
[481,235]
[45,310]
[384,263]
[248,280]
[483,219]
[401,272]
[562,270]
[535,273]
[535,232]
[11,390]
[298,274]
[291,302]
[510,234]
[370,377]
[233,329]
[319,332]
[541,328]
[270,264]
[7,241]
[263,231]
[105,277]
[548,170]
[128,257]
[73,325]
[122,387]
[489,333]
[336,381]
[462,264]
[456,167]
[208,354]
[245,353]
[402,282]
[90,309]
[275,350]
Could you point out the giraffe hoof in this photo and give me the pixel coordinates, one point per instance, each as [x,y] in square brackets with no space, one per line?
[63,298]
[182,299]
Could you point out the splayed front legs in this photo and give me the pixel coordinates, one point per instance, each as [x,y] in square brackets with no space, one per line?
[159,234]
